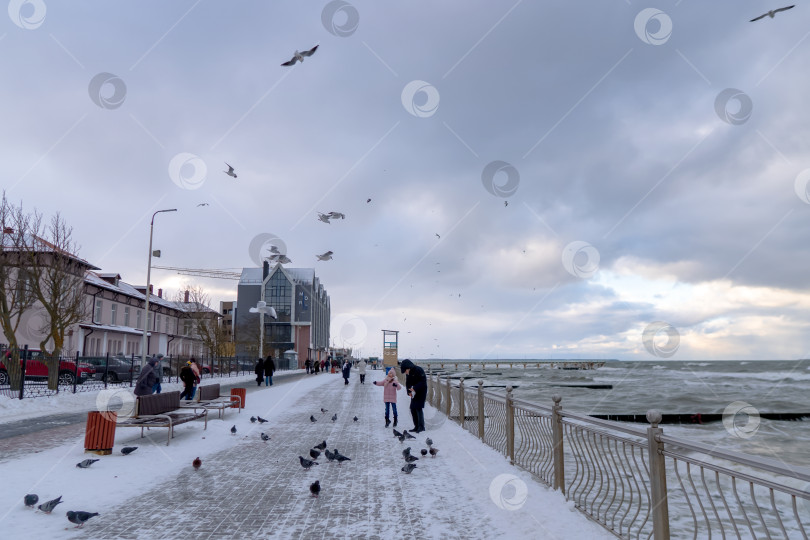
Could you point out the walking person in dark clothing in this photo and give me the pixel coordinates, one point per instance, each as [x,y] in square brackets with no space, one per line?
[416,385]
[347,369]
[145,384]
[308,364]
[317,366]
[188,378]
[259,371]
[361,369]
[269,369]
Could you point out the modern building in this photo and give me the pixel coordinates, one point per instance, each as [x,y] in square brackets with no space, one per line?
[301,304]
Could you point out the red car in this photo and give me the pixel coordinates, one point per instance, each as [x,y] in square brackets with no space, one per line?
[35,369]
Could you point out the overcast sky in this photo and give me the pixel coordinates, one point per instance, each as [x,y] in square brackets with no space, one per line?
[652,160]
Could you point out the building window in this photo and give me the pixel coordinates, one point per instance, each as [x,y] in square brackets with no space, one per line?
[166,325]
[114,314]
[138,319]
[157,326]
[186,328]
[97,311]
[126,315]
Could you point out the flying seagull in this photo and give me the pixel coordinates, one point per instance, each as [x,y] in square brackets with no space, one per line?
[230,172]
[274,249]
[368,201]
[323,217]
[325,257]
[299,56]
[772,13]
[203,204]
[280,258]
[336,215]
[437,236]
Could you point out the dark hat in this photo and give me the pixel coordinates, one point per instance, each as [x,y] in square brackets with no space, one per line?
[406,364]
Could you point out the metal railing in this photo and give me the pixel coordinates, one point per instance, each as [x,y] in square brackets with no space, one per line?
[636,483]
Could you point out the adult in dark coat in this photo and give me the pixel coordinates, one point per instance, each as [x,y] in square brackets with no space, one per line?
[269,368]
[416,385]
[347,370]
[259,371]
[145,384]
[188,378]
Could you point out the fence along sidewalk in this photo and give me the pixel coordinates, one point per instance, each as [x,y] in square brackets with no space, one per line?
[637,483]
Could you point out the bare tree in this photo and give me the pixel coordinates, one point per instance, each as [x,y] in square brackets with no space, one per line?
[16,294]
[204,320]
[58,282]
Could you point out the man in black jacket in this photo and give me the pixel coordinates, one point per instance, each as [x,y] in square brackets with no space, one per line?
[416,385]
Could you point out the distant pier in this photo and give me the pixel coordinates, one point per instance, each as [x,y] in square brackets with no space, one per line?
[511,364]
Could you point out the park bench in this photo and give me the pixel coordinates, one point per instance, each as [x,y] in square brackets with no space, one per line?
[208,397]
[160,410]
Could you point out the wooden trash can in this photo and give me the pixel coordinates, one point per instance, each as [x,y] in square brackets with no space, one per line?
[99,437]
[241,392]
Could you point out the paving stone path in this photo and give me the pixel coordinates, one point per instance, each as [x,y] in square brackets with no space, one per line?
[259,490]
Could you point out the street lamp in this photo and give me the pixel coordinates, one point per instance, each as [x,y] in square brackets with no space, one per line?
[148,276]
[263,309]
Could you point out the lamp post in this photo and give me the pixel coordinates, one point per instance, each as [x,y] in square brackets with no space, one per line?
[148,276]
[263,309]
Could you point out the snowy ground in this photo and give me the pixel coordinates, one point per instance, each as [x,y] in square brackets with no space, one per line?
[249,488]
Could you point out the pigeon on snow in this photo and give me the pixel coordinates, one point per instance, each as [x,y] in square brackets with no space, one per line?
[48,507]
[315,488]
[306,463]
[334,417]
[197,463]
[321,446]
[324,411]
[265,438]
[299,56]
[406,452]
[86,463]
[30,500]
[127,450]
[429,441]
[411,459]
[233,430]
[312,418]
[80,518]
[433,451]
[252,419]
[423,451]
[329,455]
[261,420]
[355,419]
[408,468]
[314,454]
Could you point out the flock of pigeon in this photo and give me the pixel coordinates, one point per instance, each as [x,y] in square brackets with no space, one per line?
[406,454]
[79,517]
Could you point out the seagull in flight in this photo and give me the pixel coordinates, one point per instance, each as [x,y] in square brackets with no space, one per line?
[368,201]
[772,13]
[274,249]
[325,257]
[437,236]
[336,215]
[230,172]
[323,217]
[299,56]
[202,204]
[280,258]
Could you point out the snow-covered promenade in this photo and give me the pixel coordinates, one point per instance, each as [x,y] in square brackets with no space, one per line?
[250,488]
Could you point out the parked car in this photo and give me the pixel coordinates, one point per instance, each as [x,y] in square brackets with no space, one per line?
[36,370]
[119,368]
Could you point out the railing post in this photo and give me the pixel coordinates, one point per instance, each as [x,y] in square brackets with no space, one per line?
[22,369]
[75,375]
[557,441]
[481,409]
[131,369]
[461,402]
[510,425]
[430,384]
[449,403]
[658,477]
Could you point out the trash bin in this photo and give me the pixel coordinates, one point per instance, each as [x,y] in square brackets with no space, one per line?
[99,436]
[241,392]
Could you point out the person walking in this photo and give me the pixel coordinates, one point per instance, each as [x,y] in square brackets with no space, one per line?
[390,386]
[361,369]
[269,369]
[317,366]
[347,370]
[416,385]
[323,365]
[307,365]
[196,370]
[158,373]
[145,385]
[187,376]
[259,371]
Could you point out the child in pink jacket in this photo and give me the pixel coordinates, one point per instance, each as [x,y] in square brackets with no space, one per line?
[390,385]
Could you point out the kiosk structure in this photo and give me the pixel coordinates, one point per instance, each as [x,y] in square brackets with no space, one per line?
[390,348]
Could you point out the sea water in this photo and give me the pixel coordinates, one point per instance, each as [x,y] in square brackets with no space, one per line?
[691,387]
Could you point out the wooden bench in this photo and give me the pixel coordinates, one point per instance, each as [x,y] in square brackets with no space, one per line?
[160,410]
[208,397]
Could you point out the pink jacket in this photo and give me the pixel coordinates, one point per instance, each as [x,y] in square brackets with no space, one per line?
[390,391]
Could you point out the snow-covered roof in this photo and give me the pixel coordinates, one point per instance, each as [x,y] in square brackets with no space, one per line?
[131,291]
[8,240]
[113,328]
[251,276]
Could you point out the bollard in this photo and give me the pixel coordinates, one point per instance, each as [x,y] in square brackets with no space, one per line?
[658,477]
[461,402]
[481,409]
[510,426]
[557,442]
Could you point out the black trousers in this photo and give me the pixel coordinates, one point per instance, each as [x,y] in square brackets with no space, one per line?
[418,418]
[362,378]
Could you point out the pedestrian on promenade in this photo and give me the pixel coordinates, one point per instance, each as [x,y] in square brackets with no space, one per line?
[196,369]
[317,366]
[269,369]
[158,373]
[323,365]
[347,369]
[390,386]
[187,376]
[259,371]
[145,385]
[361,369]
[416,385]
[308,364]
